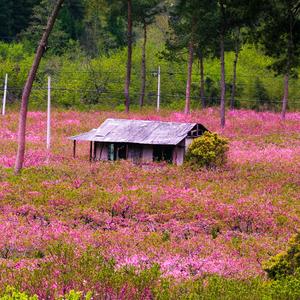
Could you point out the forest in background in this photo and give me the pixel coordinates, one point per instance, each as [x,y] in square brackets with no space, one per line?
[87,54]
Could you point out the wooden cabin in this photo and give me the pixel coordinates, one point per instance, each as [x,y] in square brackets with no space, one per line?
[140,141]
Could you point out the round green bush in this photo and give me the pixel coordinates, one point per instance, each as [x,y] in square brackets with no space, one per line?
[285,263]
[208,150]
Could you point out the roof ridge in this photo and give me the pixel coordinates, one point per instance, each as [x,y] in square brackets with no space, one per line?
[154,121]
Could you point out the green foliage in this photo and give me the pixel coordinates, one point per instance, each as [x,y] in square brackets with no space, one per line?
[212,91]
[14,17]
[98,83]
[58,39]
[215,231]
[215,287]
[73,295]
[285,288]
[188,27]
[279,35]
[65,268]
[12,294]
[261,97]
[211,287]
[166,236]
[287,262]
[209,150]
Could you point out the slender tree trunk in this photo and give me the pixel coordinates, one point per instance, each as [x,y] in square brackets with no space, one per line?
[28,86]
[202,91]
[288,66]
[223,86]
[129,56]
[187,108]
[236,57]
[143,70]
[285,96]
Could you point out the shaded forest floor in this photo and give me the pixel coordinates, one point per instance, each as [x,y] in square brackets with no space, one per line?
[62,214]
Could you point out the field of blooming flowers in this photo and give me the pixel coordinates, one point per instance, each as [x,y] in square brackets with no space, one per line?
[118,229]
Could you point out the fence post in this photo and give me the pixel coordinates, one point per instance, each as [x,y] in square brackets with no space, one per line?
[4,95]
[49,115]
[158,89]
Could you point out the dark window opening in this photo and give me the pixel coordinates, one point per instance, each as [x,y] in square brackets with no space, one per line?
[136,152]
[163,153]
[121,151]
[197,131]
[117,151]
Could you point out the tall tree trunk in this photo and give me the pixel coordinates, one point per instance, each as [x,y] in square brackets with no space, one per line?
[236,57]
[187,108]
[202,91]
[143,69]
[28,86]
[285,96]
[223,86]
[129,55]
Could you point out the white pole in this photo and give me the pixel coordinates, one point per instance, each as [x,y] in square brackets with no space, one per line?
[158,89]
[49,115]
[5,94]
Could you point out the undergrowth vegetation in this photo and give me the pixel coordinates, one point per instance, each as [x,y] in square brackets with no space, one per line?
[127,231]
[81,83]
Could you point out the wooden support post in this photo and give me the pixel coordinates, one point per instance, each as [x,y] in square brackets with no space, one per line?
[102,146]
[94,152]
[174,158]
[127,151]
[74,149]
[91,151]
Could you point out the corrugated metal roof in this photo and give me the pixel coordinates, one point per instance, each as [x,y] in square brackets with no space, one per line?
[138,132]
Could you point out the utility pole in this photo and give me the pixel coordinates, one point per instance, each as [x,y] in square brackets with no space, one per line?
[158,89]
[4,95]
[49,115]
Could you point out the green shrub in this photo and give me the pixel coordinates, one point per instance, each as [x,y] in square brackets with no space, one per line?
[285,288]
[12,294]
[285,263]
[73,295]
[209,150]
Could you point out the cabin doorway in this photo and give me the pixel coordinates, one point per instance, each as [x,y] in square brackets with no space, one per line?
[163,153]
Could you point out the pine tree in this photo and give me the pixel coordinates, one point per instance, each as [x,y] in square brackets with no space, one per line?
[193,26]
[40,14]
[279,35]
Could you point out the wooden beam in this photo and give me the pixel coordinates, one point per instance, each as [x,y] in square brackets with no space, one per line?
[91,151]
[94,151]
[174,158]
[74,149]
[126,151]
[102,146]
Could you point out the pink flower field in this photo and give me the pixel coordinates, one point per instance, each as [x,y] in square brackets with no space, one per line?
[191,224]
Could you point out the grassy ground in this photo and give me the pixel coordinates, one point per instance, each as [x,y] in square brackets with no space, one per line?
[68,224]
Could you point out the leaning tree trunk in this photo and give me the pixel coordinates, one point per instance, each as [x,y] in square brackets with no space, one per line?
[236,57]
[129,55]
[187,108]
[285,96]
[28,86]
[202,92]
[143,67]
[223,86]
